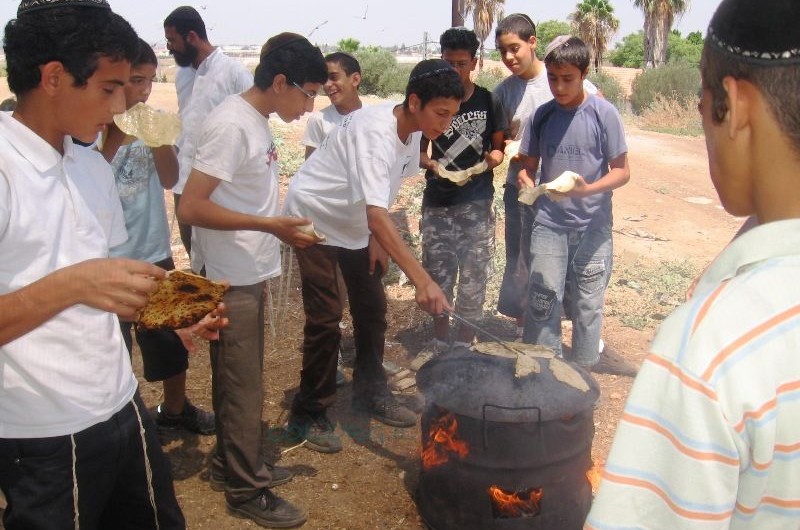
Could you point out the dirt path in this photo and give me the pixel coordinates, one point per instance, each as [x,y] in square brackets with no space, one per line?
[669,211]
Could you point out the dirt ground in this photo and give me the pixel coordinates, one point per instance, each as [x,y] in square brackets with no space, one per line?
[668,211]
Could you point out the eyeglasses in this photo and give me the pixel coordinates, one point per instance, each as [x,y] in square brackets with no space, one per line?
[309,95]
[460,65]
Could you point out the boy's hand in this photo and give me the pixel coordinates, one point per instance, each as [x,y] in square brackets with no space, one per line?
[286,229]
[207,329]
[377,256]
[115,285]
[432,300]
[580,189]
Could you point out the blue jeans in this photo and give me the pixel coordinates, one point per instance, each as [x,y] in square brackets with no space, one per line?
[583,258]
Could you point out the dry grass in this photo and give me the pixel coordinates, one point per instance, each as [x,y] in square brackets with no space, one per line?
[672,115]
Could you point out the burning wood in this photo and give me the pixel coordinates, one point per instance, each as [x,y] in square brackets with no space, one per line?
[443,441]
[513,505]
[594,475]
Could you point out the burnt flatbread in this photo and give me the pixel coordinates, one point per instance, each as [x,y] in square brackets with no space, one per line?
[181,300]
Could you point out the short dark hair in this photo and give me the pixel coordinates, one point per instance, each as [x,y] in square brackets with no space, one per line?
[185,19]
[348,63]
[459,39]
[518,24]
[778,84]
[77,37]
[431,79]
[292,55]
[574,51]
[144,54]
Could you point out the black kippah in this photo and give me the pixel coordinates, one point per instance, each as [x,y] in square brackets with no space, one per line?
[428,68]
[26,6]
[757,31]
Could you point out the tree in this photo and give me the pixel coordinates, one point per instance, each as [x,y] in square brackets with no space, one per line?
[348,45]
[484,13]
[630,52]
[659,15]
[595,23]
[547,31]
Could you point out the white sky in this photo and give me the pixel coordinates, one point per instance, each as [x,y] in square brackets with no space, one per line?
[386,22]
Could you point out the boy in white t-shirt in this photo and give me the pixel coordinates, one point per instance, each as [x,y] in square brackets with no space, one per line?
[231,200]
[346,188]
[344,78]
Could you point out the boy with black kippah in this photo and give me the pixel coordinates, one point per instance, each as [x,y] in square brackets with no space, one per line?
[346,187]
[77,446]
[709,437]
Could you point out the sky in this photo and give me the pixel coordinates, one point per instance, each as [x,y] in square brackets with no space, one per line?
[371,22]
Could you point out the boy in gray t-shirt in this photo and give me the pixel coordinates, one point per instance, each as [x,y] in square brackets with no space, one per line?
[571,233]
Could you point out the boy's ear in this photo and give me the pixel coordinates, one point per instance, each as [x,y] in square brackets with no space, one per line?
[413,102]
[53,76]
[279,84]
[533,41]
[356,79]
[739,96]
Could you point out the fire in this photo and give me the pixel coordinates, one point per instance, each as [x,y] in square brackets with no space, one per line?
[515,504]
[594,476]
[443,440]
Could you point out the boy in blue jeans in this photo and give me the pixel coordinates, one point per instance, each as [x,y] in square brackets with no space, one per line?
[571,234]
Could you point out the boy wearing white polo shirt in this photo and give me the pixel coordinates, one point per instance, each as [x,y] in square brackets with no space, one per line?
[77,446]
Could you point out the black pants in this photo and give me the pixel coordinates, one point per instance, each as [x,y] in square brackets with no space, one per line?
[110,484]
[321,336]
[184,229]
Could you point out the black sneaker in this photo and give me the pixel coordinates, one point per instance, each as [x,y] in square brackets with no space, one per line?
[386,409]
[270,511]
[191,418]
[317,431]
[613,363]
[280,476]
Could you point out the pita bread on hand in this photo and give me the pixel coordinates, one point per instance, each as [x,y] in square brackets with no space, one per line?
[154,127]
[181,300]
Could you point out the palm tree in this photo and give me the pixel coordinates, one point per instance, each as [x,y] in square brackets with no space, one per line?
[595,24]
[484,13]
[659,16]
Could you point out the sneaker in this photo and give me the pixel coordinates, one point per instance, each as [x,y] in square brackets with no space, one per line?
[386,409]
[280,475]
[318,432]
[270,511]
[191,418]
[431,350]
[611,362]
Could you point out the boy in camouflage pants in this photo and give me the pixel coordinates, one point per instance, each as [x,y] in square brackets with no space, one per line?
[458,221]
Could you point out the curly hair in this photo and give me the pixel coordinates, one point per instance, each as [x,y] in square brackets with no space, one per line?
[459,39]
[77,37]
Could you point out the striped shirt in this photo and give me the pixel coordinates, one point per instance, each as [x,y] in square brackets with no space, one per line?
[710,435]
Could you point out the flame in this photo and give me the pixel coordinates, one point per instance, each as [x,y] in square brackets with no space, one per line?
[594,476]
[513,505]
[443,440]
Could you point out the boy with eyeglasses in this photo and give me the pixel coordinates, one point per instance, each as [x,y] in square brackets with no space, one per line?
[231,201]
[458,221]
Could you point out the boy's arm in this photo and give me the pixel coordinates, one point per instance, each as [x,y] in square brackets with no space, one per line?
[526,178]
[309,150]
[197,209]
[118,286]
[166,161]
[114,138]
[495,156]
[429,296]
[425,161]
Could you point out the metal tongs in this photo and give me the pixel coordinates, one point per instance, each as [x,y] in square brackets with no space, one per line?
[482,331]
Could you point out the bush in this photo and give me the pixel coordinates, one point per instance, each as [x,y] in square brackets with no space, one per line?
[394,80]
[678,81]
[630,52]
[610,88]
[375,62]
[490,78]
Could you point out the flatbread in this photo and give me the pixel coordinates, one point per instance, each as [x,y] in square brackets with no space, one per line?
[154,127]
[561,184]
[181,300]
[461,177]
[310,230]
